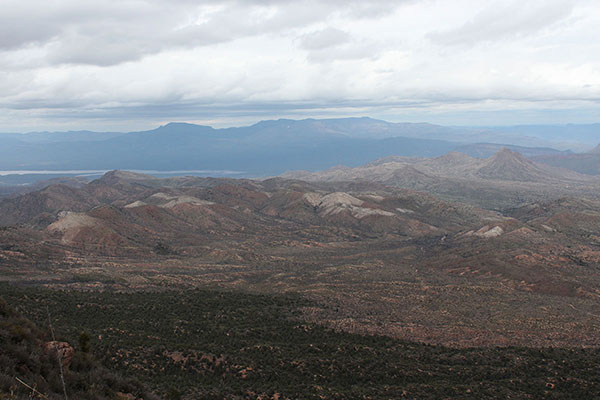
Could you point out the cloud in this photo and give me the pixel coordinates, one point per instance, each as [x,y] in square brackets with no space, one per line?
[502,19]
[331,44]
[323,39]
[105,32]
[155,61]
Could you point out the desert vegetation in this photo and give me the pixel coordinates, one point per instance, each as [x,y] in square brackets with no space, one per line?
[31,366]
[229,344]
[281,288]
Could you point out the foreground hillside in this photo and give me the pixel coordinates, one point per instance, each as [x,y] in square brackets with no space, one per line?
[378,259]
[31,363]
[214,344]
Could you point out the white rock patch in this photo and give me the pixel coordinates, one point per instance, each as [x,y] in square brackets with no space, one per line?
[69,220]
[486,232]
[137,203]
[314,199]
[374,197]
[361,212]
[172,201]
[186,199]
[335,203]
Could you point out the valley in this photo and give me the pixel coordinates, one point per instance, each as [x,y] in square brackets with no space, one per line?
[281,200]
[375,257]
[215,344]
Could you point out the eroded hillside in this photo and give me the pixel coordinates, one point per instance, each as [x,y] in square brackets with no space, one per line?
[505,180]
[379,259]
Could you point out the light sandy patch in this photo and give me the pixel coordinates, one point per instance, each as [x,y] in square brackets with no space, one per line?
[172,201]
[162,196]
[361,212]
[186,199]
[314,199]
[486,232]
[69,220]
[374,197]
[137,203]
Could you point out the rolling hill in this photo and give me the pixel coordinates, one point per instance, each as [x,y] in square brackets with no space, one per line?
[504,180]
[585,163]
[377,258]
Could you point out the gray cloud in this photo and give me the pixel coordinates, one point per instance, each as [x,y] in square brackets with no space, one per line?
[346,52]
[323,39]
[156,60]
[110,32]
[501,19]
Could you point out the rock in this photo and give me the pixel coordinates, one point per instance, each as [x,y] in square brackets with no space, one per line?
[125,396]
[64,349]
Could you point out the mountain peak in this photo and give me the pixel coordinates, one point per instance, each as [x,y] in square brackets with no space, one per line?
[182,128]
[596,150]
[507,154]
[510,165]
[455,157]
[112,177]
[177,124]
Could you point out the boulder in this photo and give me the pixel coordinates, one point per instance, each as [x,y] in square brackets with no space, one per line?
[65,351]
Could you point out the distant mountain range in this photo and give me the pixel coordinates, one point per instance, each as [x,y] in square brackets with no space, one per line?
[266,148]
[585,163]
[577,137]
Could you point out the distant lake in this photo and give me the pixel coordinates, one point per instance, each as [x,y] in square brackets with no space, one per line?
[27,177]
[94,172]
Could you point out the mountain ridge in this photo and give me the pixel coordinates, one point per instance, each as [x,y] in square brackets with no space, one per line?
[512,166]
[265,148]
[370,253]
[504,180]
[585,163]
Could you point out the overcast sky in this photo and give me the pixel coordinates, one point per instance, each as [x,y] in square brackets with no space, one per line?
[134,64]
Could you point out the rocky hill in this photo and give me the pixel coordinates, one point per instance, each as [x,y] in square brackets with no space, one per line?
[381,259]
[585,163]
[504,180]
[122,211]
[507,165]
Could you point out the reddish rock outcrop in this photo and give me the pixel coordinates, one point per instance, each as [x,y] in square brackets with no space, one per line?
[65,351]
